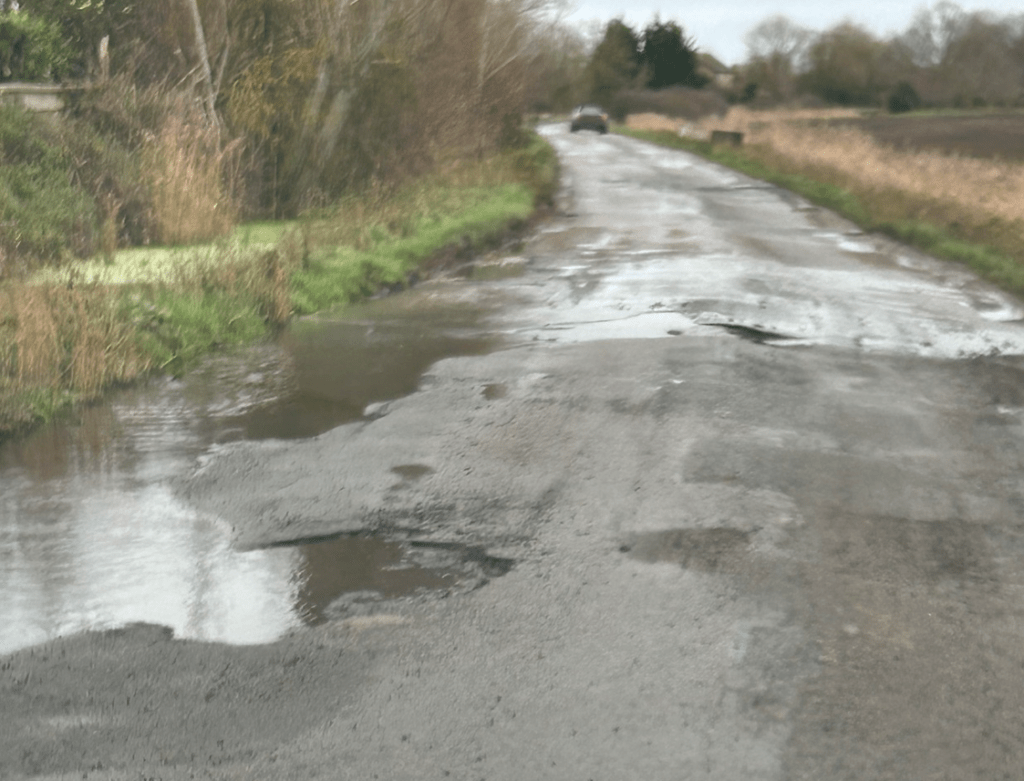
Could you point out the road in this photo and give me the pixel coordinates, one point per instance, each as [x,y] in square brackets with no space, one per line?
[743,488]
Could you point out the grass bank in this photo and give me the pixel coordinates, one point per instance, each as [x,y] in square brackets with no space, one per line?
[954,207]
[68,335]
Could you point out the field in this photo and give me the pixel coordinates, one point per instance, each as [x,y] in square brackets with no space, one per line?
[998,136]
[992,136]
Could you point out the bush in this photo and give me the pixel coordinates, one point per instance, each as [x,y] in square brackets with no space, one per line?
[904,98]
[31,48]
[113,178]
[44,214]
[680,102]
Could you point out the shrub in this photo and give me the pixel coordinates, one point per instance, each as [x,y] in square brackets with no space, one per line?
[44,214]
[680,102]
[31,48]
[904,98]
[113,178]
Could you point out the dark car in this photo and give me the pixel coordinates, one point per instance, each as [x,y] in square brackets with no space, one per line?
[589,118]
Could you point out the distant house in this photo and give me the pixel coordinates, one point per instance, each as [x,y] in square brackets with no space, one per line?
[714,71]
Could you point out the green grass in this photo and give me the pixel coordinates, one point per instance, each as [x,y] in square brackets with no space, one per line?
[992,251]
[340,274]
[177,328]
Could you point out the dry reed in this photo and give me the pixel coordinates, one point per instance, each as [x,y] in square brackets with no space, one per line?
[977,189]
[66,337]
[35,357]
[192,195]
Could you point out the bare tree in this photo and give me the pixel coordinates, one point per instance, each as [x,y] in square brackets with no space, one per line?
[931,31]
[843,66]
[777,48]
[209,93]
[980,62]
[323,87]
[557,77]
[352,38]
[777,37]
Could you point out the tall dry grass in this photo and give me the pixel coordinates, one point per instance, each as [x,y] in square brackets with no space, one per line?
[741,119]
[738,119]
[979,190]
[193,180]
[72,338]
[67,342]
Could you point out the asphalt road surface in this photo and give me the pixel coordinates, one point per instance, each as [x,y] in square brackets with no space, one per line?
[744,494]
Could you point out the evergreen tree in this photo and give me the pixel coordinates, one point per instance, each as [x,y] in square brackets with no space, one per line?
[615,63]
[668,58]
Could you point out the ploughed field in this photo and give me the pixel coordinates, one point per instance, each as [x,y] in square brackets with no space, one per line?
[974,135]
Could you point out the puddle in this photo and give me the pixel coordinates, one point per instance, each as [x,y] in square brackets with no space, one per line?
[73,560]
[366,570]
[857,247]
[505,268]
[752,334]
[141,556]
[494,391]
[376,351]
[706,550]
[346,575]
[91,537]
[642,325]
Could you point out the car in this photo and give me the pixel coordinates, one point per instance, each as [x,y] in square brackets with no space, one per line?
[588,118]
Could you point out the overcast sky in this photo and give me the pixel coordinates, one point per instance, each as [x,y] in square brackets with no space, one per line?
[719,27]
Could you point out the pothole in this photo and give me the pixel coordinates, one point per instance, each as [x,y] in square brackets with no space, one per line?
[471,557]
[752,333]
[706,550]
[411,472]
[495,390]
[350,575]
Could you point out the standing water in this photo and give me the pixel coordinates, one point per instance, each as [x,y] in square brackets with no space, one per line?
[91,536]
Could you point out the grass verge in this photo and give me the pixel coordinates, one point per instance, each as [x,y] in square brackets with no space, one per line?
[990,244]
[67,336]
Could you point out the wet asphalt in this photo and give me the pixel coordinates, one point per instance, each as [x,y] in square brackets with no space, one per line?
[741,488]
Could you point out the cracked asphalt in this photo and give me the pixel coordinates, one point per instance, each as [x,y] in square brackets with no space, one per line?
[758,477]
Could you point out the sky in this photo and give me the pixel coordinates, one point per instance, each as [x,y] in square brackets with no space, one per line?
[719,27]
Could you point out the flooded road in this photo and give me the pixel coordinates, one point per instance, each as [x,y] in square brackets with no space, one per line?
[714,486]
[92,537]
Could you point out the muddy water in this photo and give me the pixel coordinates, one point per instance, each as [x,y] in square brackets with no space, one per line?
[91,537]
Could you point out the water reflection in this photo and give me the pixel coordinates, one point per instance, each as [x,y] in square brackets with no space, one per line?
[378,351]
[92,538]
[362,566]
[105,558]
